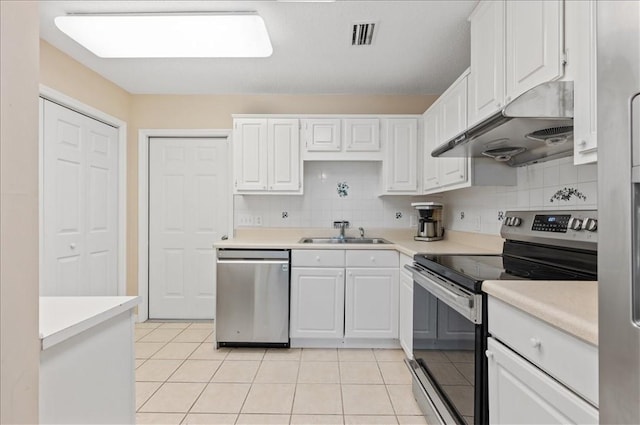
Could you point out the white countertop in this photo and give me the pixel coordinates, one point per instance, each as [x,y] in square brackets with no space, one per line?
[401,240]
[64,317]
[568,305]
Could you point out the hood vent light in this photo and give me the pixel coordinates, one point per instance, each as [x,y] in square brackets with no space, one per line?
[362,34]
[551,136]
[503,154]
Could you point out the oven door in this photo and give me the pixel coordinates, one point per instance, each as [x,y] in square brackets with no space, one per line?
[448,350]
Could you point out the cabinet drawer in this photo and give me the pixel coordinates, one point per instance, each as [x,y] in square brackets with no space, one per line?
[371,258]
[568,359]
[520,393]
[317,258]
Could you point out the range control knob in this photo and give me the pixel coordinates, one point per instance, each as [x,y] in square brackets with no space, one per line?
[512,221]
[591,224]
[575,223]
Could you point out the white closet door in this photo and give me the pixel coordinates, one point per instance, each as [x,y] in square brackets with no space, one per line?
[188,212]
[80,210]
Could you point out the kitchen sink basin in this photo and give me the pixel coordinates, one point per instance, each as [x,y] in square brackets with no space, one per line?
[348,240]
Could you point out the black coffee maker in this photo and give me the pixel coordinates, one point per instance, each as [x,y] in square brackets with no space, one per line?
[430,224]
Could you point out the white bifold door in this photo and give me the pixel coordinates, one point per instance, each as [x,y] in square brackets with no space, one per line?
[188,212]
[80,204]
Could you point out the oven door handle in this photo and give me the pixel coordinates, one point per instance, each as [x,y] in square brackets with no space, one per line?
[465,303]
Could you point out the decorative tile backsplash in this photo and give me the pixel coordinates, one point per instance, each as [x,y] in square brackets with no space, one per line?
[349,191]
[553,185]
[332,191]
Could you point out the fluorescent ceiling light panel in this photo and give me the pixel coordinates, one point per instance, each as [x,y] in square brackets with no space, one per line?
[220,35]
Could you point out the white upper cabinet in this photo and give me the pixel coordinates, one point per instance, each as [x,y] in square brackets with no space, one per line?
[362,135]
[400,165]
[322,135]
[453,108]
[534,43]
[445,119]
[250,154]
[486,81]
[453,112]
[267,156]
[581,46]
[515,45]
[283,138]
[430,165]
[341,138]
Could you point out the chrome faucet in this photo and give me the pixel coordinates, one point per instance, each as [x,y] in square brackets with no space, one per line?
[341,225]
[361,229]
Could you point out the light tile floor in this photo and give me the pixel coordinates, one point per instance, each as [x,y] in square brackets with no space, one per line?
[182,379]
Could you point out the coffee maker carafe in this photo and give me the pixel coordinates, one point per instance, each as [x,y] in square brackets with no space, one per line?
[430,225]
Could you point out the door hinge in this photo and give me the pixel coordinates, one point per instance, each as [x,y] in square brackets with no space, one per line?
[564,58]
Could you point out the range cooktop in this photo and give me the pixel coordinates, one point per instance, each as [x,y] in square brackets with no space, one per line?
[470,271]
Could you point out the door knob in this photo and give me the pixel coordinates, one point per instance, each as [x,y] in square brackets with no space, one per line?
[72,245]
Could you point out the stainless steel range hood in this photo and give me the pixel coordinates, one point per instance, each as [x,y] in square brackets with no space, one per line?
[537,126]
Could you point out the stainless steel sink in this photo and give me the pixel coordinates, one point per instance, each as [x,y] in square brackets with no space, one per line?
[349,240]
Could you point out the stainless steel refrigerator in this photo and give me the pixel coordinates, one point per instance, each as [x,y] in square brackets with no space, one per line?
[618,127]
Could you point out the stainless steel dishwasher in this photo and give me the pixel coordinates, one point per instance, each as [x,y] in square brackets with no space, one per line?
[252,300]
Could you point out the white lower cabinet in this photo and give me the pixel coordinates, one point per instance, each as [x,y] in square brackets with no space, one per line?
[317,302]
[519,393]
[537,372]
[334,306]
[405,306]
[371,303]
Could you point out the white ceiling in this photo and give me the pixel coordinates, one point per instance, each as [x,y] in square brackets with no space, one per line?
[420,47]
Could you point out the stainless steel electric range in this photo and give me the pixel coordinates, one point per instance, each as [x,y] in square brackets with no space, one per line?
[449,367]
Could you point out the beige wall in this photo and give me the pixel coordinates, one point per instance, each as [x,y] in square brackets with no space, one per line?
[64,74]
[19,341]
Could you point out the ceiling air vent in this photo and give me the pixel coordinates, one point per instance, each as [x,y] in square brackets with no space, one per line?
[362,34]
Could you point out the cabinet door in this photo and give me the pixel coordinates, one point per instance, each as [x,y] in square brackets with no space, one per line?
[452,170]
[405,331]
[585,102]
[453,120]
[453,110]
[317,302]
[431,176]
[534,40]
[362,135]
[401,162]
[371,303]
[521,393]
[284,155]
[322,135]
[250,154]
[486,80]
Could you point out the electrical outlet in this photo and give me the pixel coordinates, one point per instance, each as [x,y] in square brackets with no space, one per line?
[257,220]
[500,215]
[245,220]
[478,224]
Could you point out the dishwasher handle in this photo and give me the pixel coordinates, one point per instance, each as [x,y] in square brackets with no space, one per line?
[252,261]
[253,254]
